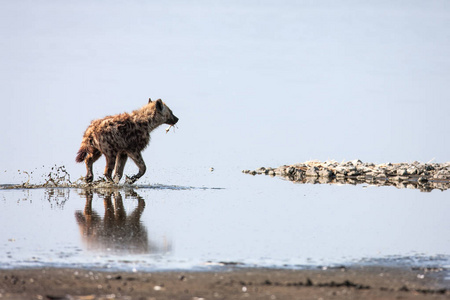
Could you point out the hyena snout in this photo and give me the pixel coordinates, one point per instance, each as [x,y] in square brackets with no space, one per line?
[172,120]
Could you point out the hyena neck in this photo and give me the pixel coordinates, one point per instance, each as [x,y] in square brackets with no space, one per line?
[147,115]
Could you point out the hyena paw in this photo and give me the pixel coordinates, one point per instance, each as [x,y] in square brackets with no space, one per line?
[130,180]
[89,178]
[116,179]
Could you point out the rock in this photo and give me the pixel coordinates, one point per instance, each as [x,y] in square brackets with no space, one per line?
[353,173]
[290,170]
[312,172]
[299,174]
[356,162]
[268,170]
[326,173]
[379,174]
[429,167]
[412,171]
[425,177]
[330,164]
[363,169]
[422,180]
[341,170]
[402,172]
[442,174]
[260,170]
[280,171]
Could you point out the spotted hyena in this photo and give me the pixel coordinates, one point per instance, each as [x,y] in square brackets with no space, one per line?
[121,136]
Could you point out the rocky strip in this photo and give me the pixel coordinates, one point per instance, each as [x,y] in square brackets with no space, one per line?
[416,175]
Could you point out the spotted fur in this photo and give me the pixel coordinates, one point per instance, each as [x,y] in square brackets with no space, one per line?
[121,136]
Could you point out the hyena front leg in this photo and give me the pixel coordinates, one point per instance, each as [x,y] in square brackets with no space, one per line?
[110,162]
[90,159]
[139,161]
[121,160]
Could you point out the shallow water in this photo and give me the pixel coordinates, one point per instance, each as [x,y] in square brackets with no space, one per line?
[254,83]
[235,218]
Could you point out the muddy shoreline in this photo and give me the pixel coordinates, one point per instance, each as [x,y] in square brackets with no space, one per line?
[230,283]
[423,176]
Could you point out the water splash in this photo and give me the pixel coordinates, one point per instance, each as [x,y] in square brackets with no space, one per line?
[59,178]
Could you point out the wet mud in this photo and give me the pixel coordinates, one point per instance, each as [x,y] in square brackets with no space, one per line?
[422,176]
[232,283]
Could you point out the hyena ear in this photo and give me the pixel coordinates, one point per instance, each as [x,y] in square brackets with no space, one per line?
[149,100]
[159,105]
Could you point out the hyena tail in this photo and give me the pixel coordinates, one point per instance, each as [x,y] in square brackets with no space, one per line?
[86,146]
[82,153]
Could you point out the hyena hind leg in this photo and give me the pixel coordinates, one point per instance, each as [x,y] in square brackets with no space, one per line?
[121,160]
[110,162]
[139,161]
[90,160]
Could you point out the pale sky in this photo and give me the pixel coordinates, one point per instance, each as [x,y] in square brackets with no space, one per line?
[254,83]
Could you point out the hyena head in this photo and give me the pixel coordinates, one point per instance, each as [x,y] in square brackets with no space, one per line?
[164,113]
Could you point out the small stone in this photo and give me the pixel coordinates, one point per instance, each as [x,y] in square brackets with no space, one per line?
[341,170]
[280,171]
[402,172]
[353,173]
[356,162]
[267,171]
[325,173]
[298,175]
[290,170]
[422,180]
[312,172]
[260,170]
[412,171]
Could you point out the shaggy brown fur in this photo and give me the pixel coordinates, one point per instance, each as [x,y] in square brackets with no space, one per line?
[121,136]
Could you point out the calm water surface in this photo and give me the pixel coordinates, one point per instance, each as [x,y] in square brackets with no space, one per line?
[234,218]
[254,83]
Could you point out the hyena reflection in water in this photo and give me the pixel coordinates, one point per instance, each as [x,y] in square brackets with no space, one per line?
[117,231]
[121,136]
